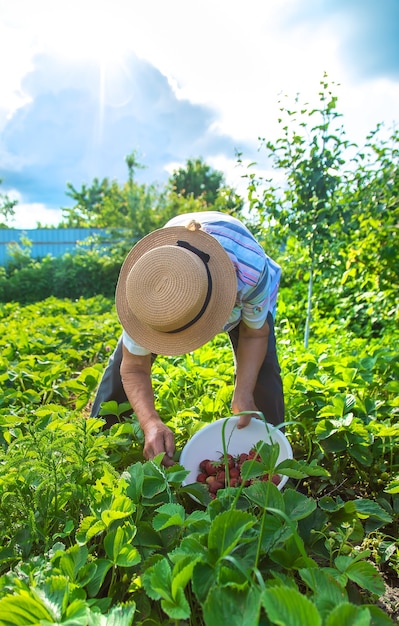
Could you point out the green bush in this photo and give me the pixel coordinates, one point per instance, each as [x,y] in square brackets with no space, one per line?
[83,274]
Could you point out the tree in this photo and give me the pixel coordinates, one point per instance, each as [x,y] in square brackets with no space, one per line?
[371,243]
[6,207]
[132,210]
[89,201]
[130,207]
[199,185]
[307,206]
[197,180]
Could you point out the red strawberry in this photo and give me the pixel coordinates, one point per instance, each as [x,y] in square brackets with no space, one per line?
[211,468]
[203,463]
[221,476]
[234,472]
[215,485]
[234,482]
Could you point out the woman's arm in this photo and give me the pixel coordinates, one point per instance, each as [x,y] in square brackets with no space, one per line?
[136,379]
[251,352]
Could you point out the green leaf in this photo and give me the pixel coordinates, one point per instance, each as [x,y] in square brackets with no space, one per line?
[55,595]
[109,408]
[327,503]
[199,491]
[288,607]
[378,616]
[350,615]
[158,581]
[122,507]
[118,549]
[102,568]
[366,575]
[147,537]
[128,556]
[191,546]
[299,469]
[134,477]
[22,609]
[178,608]
[169,515]
[327,592]
[204,579]
[120,615]
[73,560]
[297,504]
[182,572]
[252,469]
[393,487]
[225,606]
[75,615]
[292,555]
[265,495]
[152,486]
[227,529]
[176,474]
[269,453]
[90,527]
[362,454]
[368,508]
[275,531]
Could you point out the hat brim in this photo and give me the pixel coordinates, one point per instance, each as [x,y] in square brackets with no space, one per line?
[221,303]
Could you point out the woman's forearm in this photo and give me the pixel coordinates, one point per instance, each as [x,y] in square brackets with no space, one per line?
[251,352]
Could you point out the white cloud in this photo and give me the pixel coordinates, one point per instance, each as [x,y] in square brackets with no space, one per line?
[226,64]
[29,215]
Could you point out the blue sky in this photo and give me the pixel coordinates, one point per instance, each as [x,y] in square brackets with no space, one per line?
[83,83]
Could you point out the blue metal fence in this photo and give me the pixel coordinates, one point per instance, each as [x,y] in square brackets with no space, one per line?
[53,241]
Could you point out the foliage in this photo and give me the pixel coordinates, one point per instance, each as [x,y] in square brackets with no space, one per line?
[7,205]
[106,204]
[334,218]
[84,273]
[93,534]
[139,208]
[197,179]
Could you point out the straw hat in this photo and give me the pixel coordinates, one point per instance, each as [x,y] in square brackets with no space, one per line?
[176,290]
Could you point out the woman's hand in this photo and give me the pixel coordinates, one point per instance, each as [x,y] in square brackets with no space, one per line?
[158,438]
[243,401]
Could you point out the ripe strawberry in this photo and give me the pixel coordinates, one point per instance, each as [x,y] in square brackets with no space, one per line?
[234,472]
[202,465]
[234,482]
[276,479]
[230,461]
[215,485]
[211,468]
[201,478]
[221,476]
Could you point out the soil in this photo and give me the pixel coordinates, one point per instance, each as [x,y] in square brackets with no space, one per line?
[389,603]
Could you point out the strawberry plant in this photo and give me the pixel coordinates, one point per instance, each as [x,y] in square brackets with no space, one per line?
[92,533]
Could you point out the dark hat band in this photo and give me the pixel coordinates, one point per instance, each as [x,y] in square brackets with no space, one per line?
[205,259]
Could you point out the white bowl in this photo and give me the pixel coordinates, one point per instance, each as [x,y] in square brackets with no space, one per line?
[207,443]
